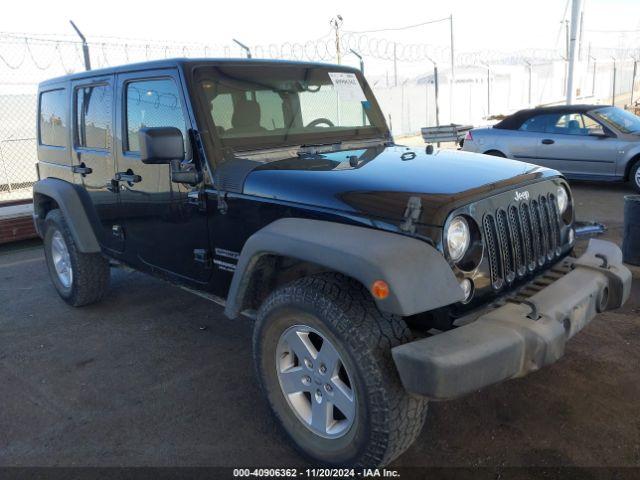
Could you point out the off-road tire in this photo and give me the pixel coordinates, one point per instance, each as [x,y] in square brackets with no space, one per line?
[634,176]
[388,419]
[90,270]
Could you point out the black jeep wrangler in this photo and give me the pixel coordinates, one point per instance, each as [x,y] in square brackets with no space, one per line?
[379,276]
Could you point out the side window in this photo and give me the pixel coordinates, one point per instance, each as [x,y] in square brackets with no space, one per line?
[93,117]
[591,126]
[569,124]
[52,121]
[152,103]
[535,124]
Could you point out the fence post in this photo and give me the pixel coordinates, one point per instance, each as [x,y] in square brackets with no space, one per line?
[436,83]
[436,89]
[486,65]
[529,67]
[613,91]
[593,84]
[395,65]
[633,78]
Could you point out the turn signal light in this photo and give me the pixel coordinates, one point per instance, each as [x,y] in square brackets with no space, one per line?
[380,289]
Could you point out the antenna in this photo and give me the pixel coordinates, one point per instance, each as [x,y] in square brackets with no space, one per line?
[85,46]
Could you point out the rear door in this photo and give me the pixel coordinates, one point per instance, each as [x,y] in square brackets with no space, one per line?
[162,228]
[92,152]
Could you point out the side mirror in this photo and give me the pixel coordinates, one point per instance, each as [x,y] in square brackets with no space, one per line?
[160,145]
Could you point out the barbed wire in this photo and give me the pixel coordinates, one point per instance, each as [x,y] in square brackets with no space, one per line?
[108,52]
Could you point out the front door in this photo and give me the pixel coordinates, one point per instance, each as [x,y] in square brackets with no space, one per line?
[568,146]
[162,228]
[93,159]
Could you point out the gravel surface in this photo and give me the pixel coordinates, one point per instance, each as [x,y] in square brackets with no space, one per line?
[156,376]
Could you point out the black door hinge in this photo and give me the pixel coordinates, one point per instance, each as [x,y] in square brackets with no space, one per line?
[203,256]
[222,203]
[197,198]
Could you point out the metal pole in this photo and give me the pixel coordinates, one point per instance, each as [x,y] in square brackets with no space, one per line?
[613,92]
[575,18]
[453,72]
[364,117]
[395,65]
[336,23]
[360,58]
[633,78]
[244,47]
[593,87]
[85,46]
[529,67]
[488,91]
[580,35]
[437,83]
[566,38]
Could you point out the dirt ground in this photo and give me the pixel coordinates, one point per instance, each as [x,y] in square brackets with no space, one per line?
[154,376]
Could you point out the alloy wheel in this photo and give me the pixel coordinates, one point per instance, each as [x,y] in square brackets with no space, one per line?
[315,382]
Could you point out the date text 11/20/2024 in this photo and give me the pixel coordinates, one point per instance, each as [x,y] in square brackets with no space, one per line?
[316,473]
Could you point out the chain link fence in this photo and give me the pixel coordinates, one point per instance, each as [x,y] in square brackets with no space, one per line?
[403,77]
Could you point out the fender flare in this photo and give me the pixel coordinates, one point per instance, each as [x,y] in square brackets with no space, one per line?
[419,277]
[74,208]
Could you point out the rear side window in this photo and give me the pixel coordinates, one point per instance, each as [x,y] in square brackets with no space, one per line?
[53,118]
[152,103]
[538,123]
[93,116]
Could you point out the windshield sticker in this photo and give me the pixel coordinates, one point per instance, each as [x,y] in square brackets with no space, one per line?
[347,86]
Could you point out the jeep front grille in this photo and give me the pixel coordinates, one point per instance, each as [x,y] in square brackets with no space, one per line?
[521,238]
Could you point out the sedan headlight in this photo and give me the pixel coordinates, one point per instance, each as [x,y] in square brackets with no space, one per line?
[562,197]
[458,238]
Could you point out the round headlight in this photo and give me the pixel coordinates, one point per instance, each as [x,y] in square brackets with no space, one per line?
[562,197]
[458,238]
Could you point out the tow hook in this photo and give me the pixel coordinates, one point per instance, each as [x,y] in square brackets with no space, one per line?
[605,262]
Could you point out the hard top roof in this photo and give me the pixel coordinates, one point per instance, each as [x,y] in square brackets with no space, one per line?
[187,62]
[514,121]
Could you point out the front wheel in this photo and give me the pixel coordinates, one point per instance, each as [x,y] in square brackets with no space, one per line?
[323,355]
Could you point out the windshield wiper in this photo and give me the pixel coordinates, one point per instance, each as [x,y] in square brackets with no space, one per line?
[315,149]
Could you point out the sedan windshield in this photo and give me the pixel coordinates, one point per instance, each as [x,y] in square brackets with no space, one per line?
[620,119]
[256,106]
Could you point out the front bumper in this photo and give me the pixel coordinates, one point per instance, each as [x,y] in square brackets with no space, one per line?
[519,337]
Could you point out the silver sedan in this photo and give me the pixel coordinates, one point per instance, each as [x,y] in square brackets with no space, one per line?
[590,142]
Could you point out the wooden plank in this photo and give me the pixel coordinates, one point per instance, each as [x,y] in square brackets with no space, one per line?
[16,223]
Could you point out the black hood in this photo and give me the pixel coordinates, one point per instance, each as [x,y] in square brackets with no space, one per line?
[379,181]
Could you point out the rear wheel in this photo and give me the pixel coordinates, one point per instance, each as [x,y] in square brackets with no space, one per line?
[634,176]
[495,153]
[323,355]
[80,278]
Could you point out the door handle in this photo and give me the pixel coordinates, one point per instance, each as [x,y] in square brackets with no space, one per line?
[82,169]
[548,141]
[128,177]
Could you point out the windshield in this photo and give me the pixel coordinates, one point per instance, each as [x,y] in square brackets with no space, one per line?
[624,121]
[256,106]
